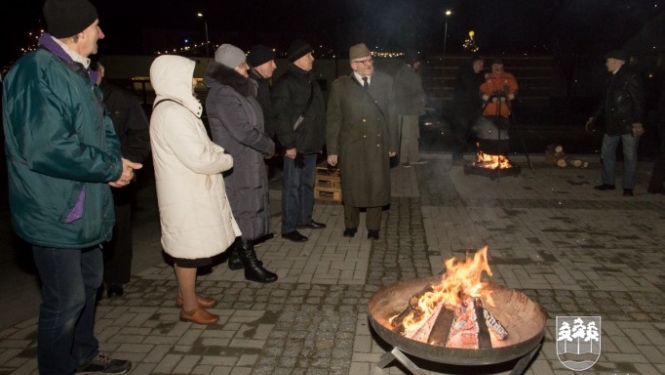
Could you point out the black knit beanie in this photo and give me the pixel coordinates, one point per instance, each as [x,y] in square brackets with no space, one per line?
[298,49]
[259,55]
[65,18]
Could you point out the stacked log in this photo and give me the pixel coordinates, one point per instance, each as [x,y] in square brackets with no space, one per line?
[554,155]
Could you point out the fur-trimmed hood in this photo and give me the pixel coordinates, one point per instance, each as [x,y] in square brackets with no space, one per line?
[218,74]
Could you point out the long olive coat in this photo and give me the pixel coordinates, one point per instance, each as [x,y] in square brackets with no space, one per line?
[362,130]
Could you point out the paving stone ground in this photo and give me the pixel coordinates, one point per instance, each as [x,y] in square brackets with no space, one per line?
[574,250]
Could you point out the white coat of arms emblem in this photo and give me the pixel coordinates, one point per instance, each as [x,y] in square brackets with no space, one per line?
[578,341]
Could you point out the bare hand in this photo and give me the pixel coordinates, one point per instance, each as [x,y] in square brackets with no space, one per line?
[127,175]
[392,153]
[588,124]
[332,160]
[291,153]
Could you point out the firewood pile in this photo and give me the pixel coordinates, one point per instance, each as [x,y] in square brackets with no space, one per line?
[554,155]
[469,326]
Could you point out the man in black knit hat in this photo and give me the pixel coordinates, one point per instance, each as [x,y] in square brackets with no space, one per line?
[300,123]
[62,156]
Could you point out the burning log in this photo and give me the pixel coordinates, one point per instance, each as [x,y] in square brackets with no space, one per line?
[484,339]
[441,328]
[499,331]
[412,308]
[464,332]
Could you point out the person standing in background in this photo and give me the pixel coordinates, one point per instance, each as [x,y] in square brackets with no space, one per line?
[194,212]
[622,112]
[236,123]
[362,136]
[410,101]
[300,119]
[63,158]
[467,104]
[131,127]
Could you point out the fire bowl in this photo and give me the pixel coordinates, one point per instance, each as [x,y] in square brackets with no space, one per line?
[523,318]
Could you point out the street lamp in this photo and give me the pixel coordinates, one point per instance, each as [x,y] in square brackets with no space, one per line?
[205,24]
[447,13]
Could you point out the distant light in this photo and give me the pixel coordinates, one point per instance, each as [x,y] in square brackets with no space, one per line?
[448,12]
[186,41]
[199,14]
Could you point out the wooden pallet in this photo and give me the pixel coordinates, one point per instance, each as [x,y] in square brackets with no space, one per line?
[327,185]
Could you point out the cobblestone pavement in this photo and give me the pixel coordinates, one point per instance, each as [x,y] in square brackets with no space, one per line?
[577,251]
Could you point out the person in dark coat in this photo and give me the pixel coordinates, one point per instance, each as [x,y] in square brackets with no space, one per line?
[622,111]
[658,173]
[131,126]
[361,134]
[467,104]
[297,99]
[261,60]
[410,100]
[236,124]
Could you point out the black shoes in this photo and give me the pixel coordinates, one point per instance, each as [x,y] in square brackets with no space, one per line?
[234,261]
[294,236]
[373,234]
[312,225]
[628,193]
[350,232]
[604,187]
[114,291]
[254,270]
[102,364]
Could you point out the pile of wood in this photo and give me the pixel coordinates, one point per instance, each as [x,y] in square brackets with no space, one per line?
[554,155]
[468,326]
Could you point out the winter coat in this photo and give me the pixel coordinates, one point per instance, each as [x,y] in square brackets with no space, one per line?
[236,123]
[624,102]
[467,101]
[498,86]
[195,215]
[289,97]
[263,97]
[61,151]
[131,127]
[410,98]
[361,130]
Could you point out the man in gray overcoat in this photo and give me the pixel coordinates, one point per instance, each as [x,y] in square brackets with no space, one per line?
[361,136]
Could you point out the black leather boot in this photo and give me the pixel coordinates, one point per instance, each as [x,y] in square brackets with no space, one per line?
[254,270]
[234,261]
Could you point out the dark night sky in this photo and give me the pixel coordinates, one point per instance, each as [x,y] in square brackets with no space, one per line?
[501,26]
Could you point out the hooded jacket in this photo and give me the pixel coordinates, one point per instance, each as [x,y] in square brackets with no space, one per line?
[236,123]
[61,151]
[195,215]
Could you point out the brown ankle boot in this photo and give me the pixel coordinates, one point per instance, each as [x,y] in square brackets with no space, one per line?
[198,316]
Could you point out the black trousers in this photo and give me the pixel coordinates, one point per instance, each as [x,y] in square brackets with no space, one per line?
[119,251]
[372,220]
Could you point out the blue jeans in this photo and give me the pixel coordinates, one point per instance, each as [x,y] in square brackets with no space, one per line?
[608,154]
[298,193]
[70,279]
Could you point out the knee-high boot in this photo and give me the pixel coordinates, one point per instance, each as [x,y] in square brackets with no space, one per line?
[254,270]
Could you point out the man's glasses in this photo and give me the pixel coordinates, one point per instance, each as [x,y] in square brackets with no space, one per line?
[364,62]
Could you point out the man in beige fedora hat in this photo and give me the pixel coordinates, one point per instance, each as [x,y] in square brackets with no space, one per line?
[361,134]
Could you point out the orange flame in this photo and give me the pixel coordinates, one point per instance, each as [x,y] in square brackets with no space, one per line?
[462,280]
[492,161]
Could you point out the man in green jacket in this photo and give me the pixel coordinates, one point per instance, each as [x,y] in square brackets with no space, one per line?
[361,134]
[62,155]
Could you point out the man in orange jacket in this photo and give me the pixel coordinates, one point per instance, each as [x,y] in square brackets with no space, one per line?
[498,90]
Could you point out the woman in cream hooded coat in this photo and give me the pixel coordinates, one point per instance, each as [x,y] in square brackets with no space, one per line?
[196,219]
